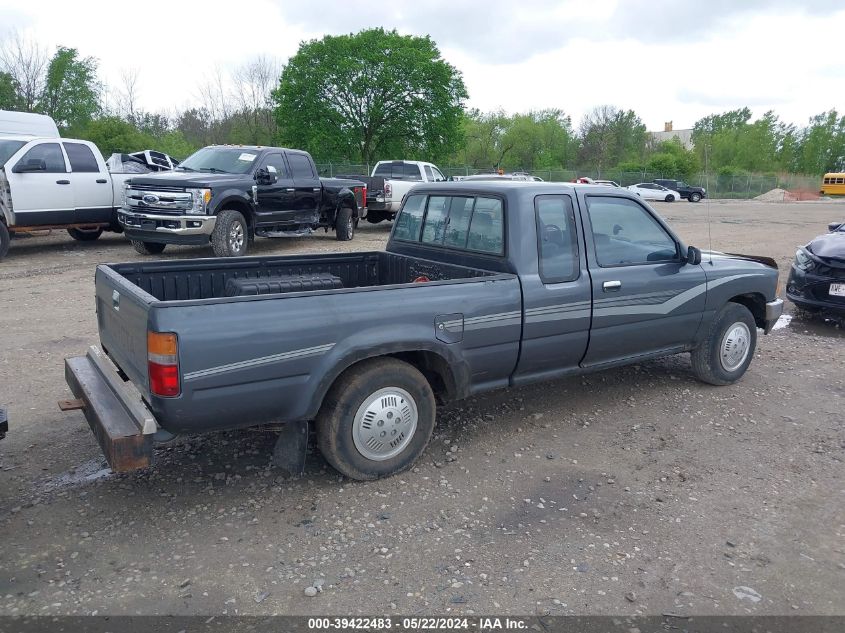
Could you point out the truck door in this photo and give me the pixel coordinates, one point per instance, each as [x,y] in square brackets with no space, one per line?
[308,189]
[646,299]
[556,293]
[40,186]
[92,191]
[276,200]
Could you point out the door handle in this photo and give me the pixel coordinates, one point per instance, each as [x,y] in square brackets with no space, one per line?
[102,181]
[63,182]
[610,286]
[290,189]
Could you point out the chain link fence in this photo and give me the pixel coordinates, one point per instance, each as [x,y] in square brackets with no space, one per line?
[733,186]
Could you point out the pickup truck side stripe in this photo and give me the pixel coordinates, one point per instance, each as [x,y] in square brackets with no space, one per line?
[264,360]
[633,307]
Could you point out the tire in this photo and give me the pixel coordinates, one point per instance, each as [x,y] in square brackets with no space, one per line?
[148,248]
[85,235]
[361,397]
[734,332]
[5,239]
[695,197]
[231,234]
[344,226]
[670,198]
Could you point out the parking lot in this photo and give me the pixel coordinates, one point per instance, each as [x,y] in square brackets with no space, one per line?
[636,490]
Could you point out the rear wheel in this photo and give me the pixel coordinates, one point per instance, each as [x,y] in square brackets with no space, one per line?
[695,197]
[85,235]
[231,234]
[377,419]
[724,356]
[670,198]
[148,248]
[344,227]
[5,238]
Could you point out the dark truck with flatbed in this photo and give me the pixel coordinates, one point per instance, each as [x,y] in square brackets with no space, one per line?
[482,286]
[227,195]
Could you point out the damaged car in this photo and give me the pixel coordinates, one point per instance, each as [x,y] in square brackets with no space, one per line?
[817,278]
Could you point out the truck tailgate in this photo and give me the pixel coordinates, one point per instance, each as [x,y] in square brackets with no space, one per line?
[122,317]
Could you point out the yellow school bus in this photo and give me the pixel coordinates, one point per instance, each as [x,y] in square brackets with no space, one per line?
[833,185]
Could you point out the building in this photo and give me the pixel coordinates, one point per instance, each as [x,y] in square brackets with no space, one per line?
[668,133]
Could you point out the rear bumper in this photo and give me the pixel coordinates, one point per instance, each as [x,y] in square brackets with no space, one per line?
[379,204]
[123,425]
[773,311]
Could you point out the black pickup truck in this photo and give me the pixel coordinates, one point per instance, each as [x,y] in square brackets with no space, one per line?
[688,192]
[226,195]
[483,285]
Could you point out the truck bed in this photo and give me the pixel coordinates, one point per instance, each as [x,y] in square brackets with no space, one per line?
[253,358]
[206,278]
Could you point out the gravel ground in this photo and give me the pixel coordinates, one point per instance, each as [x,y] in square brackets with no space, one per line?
[633,491]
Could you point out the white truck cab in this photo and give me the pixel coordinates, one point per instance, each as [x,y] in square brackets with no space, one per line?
[385,199]
[52,182]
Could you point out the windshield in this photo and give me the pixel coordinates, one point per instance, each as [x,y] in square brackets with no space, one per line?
[223,160]
[8,149]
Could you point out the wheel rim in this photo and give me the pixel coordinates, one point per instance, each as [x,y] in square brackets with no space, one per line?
[236,237]
[735,346]
[350,227]
[385,424]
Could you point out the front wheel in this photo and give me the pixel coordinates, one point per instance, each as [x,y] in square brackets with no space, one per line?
[231,234]
[724,356]
[377,419]
[344,225]
[695,197]
[85,235]
[670,198]
[148,248]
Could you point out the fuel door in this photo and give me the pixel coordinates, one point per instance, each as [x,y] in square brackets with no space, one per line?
[449,328]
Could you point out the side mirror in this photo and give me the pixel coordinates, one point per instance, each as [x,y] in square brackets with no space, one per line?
[833,226]
[693,256]
[32,165]
[617,229]
[265,177]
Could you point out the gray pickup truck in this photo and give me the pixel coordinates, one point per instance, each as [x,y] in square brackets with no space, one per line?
[482,286]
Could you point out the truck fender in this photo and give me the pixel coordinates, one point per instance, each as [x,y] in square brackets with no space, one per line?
[344,196]
[234,199]
[459,372]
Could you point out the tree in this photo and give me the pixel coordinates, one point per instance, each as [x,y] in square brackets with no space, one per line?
[673,160]
[9,95]
[71,91]
[821,146]
[372,94]
[25,62]
[112,134]
[254,82]
[610,136]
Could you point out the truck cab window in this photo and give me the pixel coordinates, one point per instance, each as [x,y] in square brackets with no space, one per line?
[625,233]
[558,243]
[435,220]
[412,172]
[81,158]
[429,175]
[438,175]
[409,222]
[300,166]
[486,230]
[51,154]
[275,164]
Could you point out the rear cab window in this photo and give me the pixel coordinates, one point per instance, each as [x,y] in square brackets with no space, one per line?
[463,222]
[81,158]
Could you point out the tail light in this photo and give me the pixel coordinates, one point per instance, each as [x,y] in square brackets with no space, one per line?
[388,190]
[163,364]
[364,196]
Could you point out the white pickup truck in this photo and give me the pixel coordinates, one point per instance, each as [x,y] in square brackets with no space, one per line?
[390,181]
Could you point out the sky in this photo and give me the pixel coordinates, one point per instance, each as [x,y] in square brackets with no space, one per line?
[668,60]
